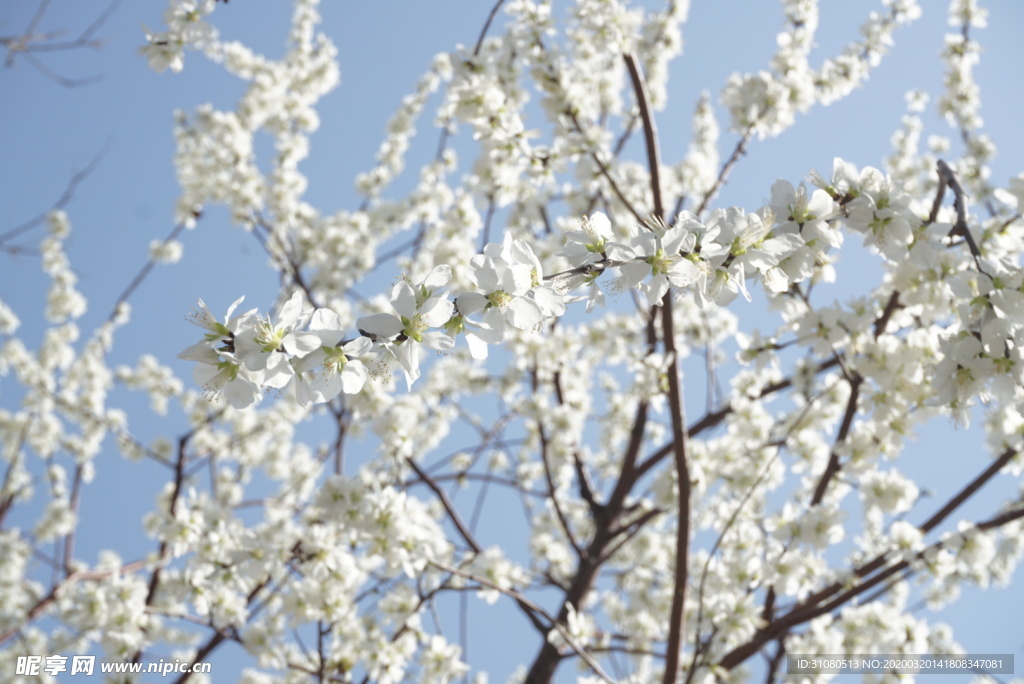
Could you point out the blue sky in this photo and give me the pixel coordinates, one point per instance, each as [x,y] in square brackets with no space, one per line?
[49,132]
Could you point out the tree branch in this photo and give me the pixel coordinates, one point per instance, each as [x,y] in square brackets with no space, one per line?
[738,151]
[677,613]
[834,596]
[449,507]
[531,606]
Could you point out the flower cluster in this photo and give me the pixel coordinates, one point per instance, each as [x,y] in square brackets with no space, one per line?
[767,102]
[186,29]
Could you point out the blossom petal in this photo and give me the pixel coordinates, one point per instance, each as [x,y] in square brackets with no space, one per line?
[381,325]
[291,311]
[358,347]
[551,303]
[478,349]
[436,311]
[471,302]
[524,313]
[353,377]
[438,277]
[201,352]
[438,340]
[408,356]
[404,299]
[231,309]
[683,272]
[618,252]
[301,343]
[327,325]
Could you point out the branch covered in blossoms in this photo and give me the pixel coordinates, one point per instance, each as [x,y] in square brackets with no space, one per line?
[779,246]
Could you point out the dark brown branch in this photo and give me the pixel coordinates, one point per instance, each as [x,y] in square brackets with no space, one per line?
[775,662]
[485,234]
[164,550]
[677,614]
[449,507]
[341,417]
[289,265]
[74,504]
[605,533]
[602,167]
[487,26]
[643,101]
[467,535]
[808,613]
[960,228]
[940,192]
[832,469]
[552,493]
[968,490]
[80,576]
[834,596]
[630,530]
[629,473]
[606,172]
[218,637]
[890,308]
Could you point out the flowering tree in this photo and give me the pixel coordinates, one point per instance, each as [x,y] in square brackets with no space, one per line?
[566,288]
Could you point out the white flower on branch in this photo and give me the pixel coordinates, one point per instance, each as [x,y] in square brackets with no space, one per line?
[398,336]
[264,345]
[334,368]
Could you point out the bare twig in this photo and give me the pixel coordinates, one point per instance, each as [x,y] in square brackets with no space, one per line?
[487,26]
[550,480]
[833,467]
[601,165]
[534,608]
[586,485]
[141,275]
[30,42]
[738,151]
[62,201]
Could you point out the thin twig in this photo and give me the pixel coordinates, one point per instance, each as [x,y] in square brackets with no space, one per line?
[487,26]
[738,151]
[533,607]
[833,467]
[65,197]
[141,275]
[30,42]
